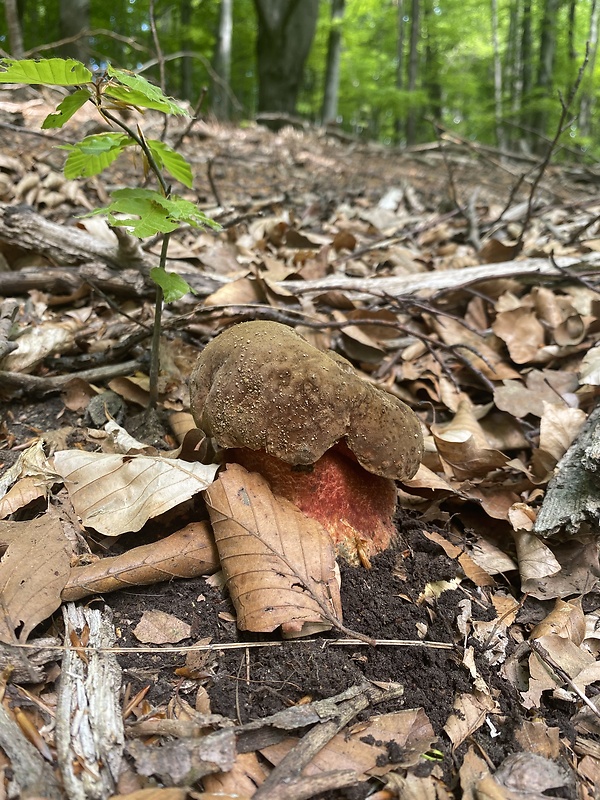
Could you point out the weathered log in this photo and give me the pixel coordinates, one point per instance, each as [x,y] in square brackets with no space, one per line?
[572,502]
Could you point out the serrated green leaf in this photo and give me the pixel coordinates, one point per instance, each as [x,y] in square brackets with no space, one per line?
[94,153]
[172,161]
[157,214]
[66,109]
[49,71]
[173,285]
[137,91]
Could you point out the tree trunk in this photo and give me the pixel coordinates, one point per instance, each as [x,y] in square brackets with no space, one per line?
[186,74]
[222,61]
[588,96]
[512,68]
[497,77]
[526,71]
[545,76]
[332,70]
[400,40]
[15,36]
[74,18]
[413,69]
[286,29]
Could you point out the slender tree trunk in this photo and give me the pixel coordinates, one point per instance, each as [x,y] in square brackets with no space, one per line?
[512,68]
[526,72]
[286,29]
[497,77]
[588,98]
[186,75]
[431,69]
[332,70]
[545,75]
[74,17]
[413,68]
[400,42]
[220,104]
[13,25]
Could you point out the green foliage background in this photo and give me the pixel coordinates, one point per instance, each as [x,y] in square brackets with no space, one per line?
[455,82]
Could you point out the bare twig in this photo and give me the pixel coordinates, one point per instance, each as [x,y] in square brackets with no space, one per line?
[560,129]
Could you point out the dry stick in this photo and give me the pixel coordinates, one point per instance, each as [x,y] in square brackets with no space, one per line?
[211,648]
[547,659]
[560,129]
[40,385]
[285,782]
[193,120]
[577,233]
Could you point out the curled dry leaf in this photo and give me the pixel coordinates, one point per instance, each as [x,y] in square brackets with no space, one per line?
[565,619]
[279,564]
[33,572]
[187,553]
[115,494]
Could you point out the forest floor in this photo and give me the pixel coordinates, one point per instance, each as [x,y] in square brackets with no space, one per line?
[485,680]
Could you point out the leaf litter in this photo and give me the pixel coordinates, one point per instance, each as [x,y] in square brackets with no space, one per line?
[486,617]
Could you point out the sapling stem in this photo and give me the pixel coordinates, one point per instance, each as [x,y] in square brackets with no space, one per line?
[155,349]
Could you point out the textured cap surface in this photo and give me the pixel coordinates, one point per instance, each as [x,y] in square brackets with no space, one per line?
[261,385]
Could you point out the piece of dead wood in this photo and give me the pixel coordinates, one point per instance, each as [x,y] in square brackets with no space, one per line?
[66,280]
[443,280]
[64,244]
[286,782]
[26,666]
[36,385]
[187,553]
[572,502]
[8,311]
[89,753]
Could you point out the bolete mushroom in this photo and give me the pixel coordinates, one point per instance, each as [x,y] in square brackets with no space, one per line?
[323,437]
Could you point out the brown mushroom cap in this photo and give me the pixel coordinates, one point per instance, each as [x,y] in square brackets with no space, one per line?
[261,385]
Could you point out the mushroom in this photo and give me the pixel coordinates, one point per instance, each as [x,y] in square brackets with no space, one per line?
[323,437]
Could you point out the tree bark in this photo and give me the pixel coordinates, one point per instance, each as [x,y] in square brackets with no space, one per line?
[497,78]
[545,75]
[74,18]
[186,74]
[588,97]
[332,69]
[286,29]
[400,41]
[526,69]
[222,61]
[413,68]
[13,25]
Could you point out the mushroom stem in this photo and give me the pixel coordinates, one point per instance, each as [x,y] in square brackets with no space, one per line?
[353,505]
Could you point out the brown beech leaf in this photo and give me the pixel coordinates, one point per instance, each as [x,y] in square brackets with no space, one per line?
[33,572]
[407,734]
[115,494]
[279,565]
[187,553]
[566,619]
[158,627]
[522,333]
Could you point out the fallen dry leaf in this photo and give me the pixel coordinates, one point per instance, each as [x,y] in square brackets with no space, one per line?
[408,734]
[187,553]
[158,627]
[115,494]
[469,714]
[279,564]
[33,572]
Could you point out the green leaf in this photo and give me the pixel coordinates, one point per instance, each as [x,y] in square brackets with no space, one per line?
[156,214]
[137,91]
[52,71]
[66,109]
[173,285]
[172,161]
[94,154]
